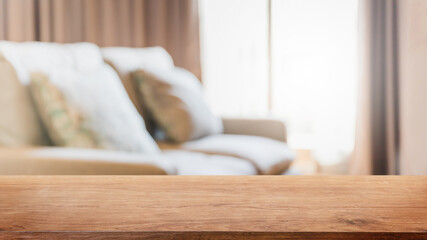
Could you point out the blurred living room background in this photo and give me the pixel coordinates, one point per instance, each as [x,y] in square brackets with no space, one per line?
[348,78]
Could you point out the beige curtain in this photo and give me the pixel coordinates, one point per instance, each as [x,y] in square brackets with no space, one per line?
[391,135]
[377,137]
[172,24]
[17,20]
[413,74]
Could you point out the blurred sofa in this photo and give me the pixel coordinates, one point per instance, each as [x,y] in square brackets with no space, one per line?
[245,147]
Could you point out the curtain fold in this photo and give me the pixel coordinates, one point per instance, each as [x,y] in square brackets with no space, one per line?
[17,20]
[377,146]
[172,24]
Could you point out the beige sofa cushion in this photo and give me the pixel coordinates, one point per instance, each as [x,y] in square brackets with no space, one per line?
[19,124]
[175,99]
[66,126]
[268,156]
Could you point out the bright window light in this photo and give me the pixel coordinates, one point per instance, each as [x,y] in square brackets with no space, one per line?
[234,43]
[313,67]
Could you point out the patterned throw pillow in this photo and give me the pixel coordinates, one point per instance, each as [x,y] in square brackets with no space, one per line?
[175,100]
[65,126]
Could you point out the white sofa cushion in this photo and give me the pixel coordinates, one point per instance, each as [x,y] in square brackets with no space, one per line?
[67,161]
[192,163]
[178,97]
[127,60]
[88,84]
[268,156]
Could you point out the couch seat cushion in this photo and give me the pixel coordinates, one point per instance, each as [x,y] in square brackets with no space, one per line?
[193,163]
[75,161]
[268,156]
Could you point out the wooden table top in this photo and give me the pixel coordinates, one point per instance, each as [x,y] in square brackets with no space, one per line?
[214,207]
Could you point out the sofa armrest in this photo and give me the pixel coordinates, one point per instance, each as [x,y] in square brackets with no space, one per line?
[69,161]
[270,128]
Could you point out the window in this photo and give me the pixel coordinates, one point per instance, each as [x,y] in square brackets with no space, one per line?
[234,40]
[310,78]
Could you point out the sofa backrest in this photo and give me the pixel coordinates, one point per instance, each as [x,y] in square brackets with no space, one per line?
[19,122]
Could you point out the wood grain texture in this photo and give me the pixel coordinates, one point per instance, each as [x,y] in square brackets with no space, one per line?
[214,207]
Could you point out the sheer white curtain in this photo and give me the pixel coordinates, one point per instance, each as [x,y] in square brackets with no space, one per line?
[313,63]
[234,43]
